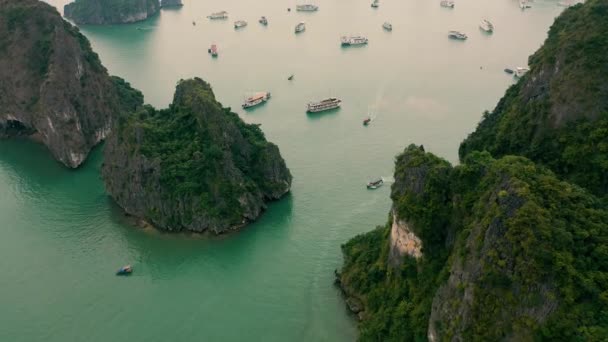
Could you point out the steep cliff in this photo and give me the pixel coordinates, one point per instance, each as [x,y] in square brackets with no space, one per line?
[52,85]
[99,12]
[194,166]
[509,252]
[505,249]
[557,114]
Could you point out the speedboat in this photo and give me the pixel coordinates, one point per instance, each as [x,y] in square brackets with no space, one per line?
[375,184]
[447,3]
[300,27]
[290,77]
[376,4]
[125,270]
[521,71]
[387,26]
[263,20]
[240,23]
[213,50]
[486,25]
[353,40]
[256,99]
[307,8]
[457,35]
[218,15]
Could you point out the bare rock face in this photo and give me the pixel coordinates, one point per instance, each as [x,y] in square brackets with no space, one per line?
[52,85]
[101,12]
[194,166]
[403,242]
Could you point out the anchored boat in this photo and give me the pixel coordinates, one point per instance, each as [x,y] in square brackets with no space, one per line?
[447,3]
[263,20]
[387,26]
[307,8]
[366,121]
[256,99]
[327,104]
[218,15]
[457,35]
[353,40]
[486,25]
[521,71]
[240,23]
[213,50]
[300,27]
[125,270]
[375,184]
[376,4]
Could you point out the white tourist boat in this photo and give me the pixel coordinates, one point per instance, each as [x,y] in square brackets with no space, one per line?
[447,3]
[240,23]
[486,25]
[457,35]
[300,27]
[353,40]
[307,8]
[327,104]
[218,15]
[387,26]
[521,71]
[256,99]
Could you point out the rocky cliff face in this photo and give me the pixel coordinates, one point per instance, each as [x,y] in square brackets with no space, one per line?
[557,115]
[100,12]
[52,85]
[194,166]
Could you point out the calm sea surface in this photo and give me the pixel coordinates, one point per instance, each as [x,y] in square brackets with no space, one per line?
[62,238]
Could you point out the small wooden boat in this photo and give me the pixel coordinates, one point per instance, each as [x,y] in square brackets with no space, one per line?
[125,270]
[375,184]
[213,50]
[290,77]
[367,121]
[509,71]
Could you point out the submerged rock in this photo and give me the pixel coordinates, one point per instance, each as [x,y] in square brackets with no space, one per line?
[52,85]
[194,166]
[101,12]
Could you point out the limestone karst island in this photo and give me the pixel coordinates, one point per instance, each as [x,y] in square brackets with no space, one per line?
[369,170]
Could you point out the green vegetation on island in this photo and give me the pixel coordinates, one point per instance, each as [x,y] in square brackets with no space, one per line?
[193,166]
[515,238]
[110,11]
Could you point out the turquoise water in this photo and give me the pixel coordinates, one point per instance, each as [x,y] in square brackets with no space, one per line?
[62,238]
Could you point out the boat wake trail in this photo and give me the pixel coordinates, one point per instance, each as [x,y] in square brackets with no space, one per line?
[389,179]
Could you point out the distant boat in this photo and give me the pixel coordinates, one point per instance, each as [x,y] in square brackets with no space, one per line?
[353,40]
[457,35]
[307,8]
[263,20]
[509,71]
[523,4]
[125,270]
[194,23]
[213,50]
[327,104]
[367,121]
[447,3]
[375,184]
[290,77]
[376,4]
[387,26]
[218,15]
[256,99]
[486,25]
[240,23]
[300,27]
[521,71]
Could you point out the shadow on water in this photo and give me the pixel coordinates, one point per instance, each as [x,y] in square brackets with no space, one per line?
[323,114]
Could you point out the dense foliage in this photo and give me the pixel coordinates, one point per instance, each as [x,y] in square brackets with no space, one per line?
[530,249]
[109,11]
[557,115]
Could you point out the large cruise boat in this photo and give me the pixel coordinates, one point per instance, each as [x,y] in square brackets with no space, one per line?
[300,27]
[457,35]
[353,40]
[486,25]
[307,8]
[256,99]
[218,15]
[327,104]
